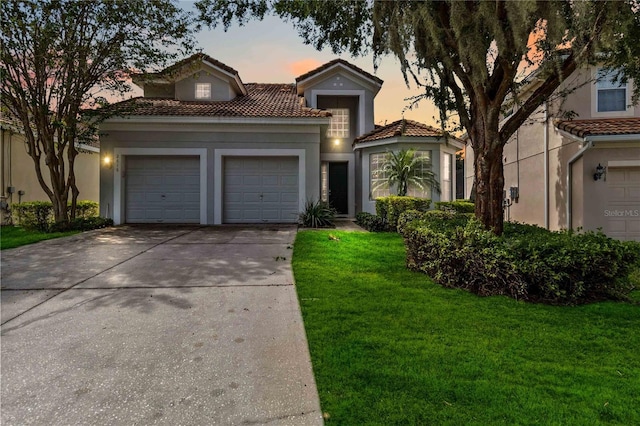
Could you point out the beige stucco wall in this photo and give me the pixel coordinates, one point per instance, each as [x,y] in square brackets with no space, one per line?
[524,162]
[18,171]
[582,100]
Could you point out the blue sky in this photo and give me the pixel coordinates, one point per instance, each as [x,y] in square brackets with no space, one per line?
[271,51]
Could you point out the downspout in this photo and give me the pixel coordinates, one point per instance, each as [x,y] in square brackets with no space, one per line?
[4,161]
[546,165]
[572,160]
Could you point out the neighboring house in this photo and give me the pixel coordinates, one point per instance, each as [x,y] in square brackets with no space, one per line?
[18,178]
[580,173]
[202,146]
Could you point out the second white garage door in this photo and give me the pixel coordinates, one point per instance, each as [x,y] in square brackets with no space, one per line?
[260,190]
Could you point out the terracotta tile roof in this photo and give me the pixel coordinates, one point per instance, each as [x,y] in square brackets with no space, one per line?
[400,128]
[193,58]
[600,126]
[261,100]
[338,61]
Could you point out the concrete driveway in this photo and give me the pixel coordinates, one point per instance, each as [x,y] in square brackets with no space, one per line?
[155,325]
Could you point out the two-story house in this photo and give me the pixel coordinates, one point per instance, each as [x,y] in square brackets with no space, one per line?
[576,173]
[202,146]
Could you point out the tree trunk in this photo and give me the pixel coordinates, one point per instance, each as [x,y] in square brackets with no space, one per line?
[488,172]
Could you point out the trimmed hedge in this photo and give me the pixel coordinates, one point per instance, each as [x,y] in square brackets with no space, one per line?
[38,215]
[457,206]
[526,262]
[370,222]
[35,215]
[390,208]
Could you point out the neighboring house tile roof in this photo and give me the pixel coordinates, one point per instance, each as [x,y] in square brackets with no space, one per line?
[600,126]
[261,100]
[334,62]
[400,128]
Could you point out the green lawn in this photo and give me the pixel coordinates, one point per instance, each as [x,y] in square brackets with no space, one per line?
[13,236]
[390,347]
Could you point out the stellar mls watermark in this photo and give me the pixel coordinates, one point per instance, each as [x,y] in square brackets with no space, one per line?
[622,213]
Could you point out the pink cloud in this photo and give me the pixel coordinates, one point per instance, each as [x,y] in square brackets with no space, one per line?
[305,65]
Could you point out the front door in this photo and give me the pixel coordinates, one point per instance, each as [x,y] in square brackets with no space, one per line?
[338,187]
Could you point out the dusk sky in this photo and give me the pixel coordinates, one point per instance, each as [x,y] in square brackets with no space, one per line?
[271,51]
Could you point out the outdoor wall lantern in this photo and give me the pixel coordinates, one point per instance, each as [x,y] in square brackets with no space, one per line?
[600,171]
[107,162]
[336,142]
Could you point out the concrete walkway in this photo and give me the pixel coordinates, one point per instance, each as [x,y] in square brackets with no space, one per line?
[155,325]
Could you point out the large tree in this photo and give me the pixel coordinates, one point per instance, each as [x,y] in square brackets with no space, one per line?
[468,56]
[59,57]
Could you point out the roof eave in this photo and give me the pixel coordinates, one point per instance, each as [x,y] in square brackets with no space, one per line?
[403,139]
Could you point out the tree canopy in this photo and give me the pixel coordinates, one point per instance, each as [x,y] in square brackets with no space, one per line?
[59,56]
[468,56]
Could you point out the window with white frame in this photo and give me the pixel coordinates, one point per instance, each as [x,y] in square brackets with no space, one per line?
[339,124]
[611,96]
[447,178]
[378,184]
[414,190]
[203,90]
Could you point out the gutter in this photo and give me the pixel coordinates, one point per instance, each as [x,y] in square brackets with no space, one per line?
[546,165]
[572,160]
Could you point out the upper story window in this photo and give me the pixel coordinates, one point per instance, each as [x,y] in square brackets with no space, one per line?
[339,124]
[611,96]
[203,90]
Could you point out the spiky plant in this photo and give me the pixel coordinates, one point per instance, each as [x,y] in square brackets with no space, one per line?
[405,167]
[317,214]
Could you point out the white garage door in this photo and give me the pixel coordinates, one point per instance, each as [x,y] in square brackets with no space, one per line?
[623,209]
[260,189]
[162,189]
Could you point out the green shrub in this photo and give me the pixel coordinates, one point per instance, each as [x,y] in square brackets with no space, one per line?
[370,222]
[317,214]
[390,208]
[408,217]
[83,224]
[33,215]
[526,262]
[38,215]
[465,257]
[458,206]
[567,267]
[86,209]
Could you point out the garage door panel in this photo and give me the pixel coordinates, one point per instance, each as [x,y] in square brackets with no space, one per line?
[270,180]
[268,191]
[289,180]
[290,197]
[255,181]
[162,189]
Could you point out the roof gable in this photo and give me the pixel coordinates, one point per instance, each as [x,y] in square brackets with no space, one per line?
[345,68]
[190,66]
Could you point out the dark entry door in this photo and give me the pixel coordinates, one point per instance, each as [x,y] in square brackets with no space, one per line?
[338,184]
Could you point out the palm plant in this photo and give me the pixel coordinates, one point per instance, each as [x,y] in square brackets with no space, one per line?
[404,168]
